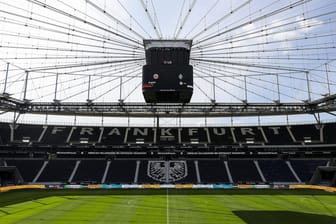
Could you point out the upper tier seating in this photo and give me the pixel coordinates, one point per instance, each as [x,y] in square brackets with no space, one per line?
[4,133]
[260,135]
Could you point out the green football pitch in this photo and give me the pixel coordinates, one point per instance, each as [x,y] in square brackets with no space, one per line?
[168,206]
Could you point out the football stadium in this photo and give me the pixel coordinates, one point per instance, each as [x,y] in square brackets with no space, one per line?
[181,111]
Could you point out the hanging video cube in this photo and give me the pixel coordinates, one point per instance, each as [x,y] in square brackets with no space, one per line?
[167,76]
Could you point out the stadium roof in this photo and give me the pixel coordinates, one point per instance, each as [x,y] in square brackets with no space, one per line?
[243,52]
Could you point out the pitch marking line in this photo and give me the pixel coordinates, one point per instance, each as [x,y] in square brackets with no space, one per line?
[167,207]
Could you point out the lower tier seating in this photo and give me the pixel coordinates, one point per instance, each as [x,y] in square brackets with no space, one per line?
[244,171]
[90,171]
[305,168]
[213,171]
[163,171]
[276,171]
[121,171]
[57,171]
[28,168]
[167,172]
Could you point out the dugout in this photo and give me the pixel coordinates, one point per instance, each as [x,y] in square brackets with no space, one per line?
[167,76]
[10,175]
[324,175]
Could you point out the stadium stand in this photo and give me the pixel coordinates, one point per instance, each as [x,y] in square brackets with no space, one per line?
[89,171]
[194,135]
[56,135]
[121,171]
[28,167]
[57,171]
[139,135]
[329,133]
[125,171]
[276,171]
[86,135]
[153,171]
[244,171]
[221,136]
[213,171]
[143,176]
[306,168]
[307,133]
[27,134]
[249,135]
[191,174]
[270,135]
[113,136]
[166,155]
[4,133]
[278,135]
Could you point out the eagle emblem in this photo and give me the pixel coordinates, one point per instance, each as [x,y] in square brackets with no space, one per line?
[167,171]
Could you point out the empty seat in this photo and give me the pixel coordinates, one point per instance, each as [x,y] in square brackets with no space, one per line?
[306,168]
[121,171]
[212,171]
[27,168]
[90,171]
[57,171]
[4,133]
[27,133]
[244,171]
[56,135]
[276,171]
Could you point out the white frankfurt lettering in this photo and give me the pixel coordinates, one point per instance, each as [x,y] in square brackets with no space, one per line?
[138,131]
[275,130]
[88,131]
[192,131]
[216,132]
[166,132]
[114,131]
[245,131]
[57,129]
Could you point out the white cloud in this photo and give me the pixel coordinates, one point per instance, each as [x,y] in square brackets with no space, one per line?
[300,27]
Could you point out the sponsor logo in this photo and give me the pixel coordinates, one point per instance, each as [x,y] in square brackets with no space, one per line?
[147,86]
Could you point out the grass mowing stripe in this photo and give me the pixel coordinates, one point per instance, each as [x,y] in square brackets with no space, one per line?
[99,209]
[329,206]
[151,209]
[87,209]
[170,206]
[187,208]
[22,211]
[54,214]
